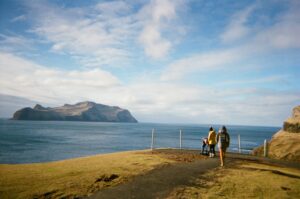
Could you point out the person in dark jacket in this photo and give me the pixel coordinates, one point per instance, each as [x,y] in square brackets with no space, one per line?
[223,140]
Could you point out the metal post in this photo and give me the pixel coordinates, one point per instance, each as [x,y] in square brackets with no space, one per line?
[239,141]
[180,139]
[152,141]
[265,148]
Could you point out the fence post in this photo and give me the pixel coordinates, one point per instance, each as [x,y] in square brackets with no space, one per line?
[239,141]
[152,141]
[180,139]
[265,148]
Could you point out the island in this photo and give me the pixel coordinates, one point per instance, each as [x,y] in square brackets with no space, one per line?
[82,111]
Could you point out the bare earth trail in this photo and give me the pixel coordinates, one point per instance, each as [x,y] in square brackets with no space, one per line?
[159,182]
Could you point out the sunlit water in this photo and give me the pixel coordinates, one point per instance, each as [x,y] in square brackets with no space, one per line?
[41,141]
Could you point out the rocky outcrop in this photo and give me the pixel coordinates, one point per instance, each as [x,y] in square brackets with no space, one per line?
[83,111]
[285,144]
[292,124]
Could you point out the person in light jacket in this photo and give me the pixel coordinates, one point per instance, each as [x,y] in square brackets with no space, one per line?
[212,142]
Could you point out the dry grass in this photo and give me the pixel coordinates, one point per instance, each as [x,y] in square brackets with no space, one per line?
[75,177]
[284,145]
[83,176]
[249,180]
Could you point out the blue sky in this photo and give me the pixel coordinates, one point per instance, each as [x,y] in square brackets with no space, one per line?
[193,61]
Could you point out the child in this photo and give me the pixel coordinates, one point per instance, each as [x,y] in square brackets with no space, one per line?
[204,146]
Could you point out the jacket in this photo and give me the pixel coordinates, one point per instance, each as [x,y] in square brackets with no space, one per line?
[212,137]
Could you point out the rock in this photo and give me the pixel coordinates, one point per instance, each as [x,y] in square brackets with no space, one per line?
[285,144]
[83,111]
[39,107]
[292,124]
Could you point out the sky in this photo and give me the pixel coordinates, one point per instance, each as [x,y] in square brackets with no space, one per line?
[167,61]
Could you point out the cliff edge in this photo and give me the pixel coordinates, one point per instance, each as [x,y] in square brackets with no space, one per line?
[83,111]
[285,144]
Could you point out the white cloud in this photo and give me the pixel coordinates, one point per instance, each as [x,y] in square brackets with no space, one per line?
[165,102]
[201,62]
[113,7]
[14,42]
[106,34]
[23,78]
[283,34]
[237,28]
[104,31]
[154,45]
[158,16]
[273,79]
[18,18]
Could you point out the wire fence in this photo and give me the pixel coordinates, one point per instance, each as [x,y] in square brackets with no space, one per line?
[182,140]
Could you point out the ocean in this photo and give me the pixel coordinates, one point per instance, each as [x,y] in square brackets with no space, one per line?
[43,141]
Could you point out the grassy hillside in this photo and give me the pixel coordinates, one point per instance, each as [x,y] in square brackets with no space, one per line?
[74,177]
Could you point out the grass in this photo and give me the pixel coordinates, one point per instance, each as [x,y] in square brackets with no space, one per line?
[244,180]
[75,177]
[83,176]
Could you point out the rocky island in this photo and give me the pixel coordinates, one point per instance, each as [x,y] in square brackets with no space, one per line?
[82,111]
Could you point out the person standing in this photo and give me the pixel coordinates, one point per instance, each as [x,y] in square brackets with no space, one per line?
[212,142]
[223,140]
[204,146]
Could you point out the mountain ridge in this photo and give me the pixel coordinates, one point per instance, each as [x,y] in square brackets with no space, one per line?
[81,111]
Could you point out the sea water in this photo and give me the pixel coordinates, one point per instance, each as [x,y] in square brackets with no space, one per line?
[43,141]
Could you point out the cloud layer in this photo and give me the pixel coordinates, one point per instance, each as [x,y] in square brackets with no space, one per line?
[103,34]
[278,36]
[147,100]
[24,78]
[142,55]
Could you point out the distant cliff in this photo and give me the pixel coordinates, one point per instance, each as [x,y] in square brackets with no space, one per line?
[83,111]
[285,143]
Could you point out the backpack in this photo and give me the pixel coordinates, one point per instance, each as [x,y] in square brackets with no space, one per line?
[224,138]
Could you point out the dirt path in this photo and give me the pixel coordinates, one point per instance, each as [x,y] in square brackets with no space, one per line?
[159,182]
